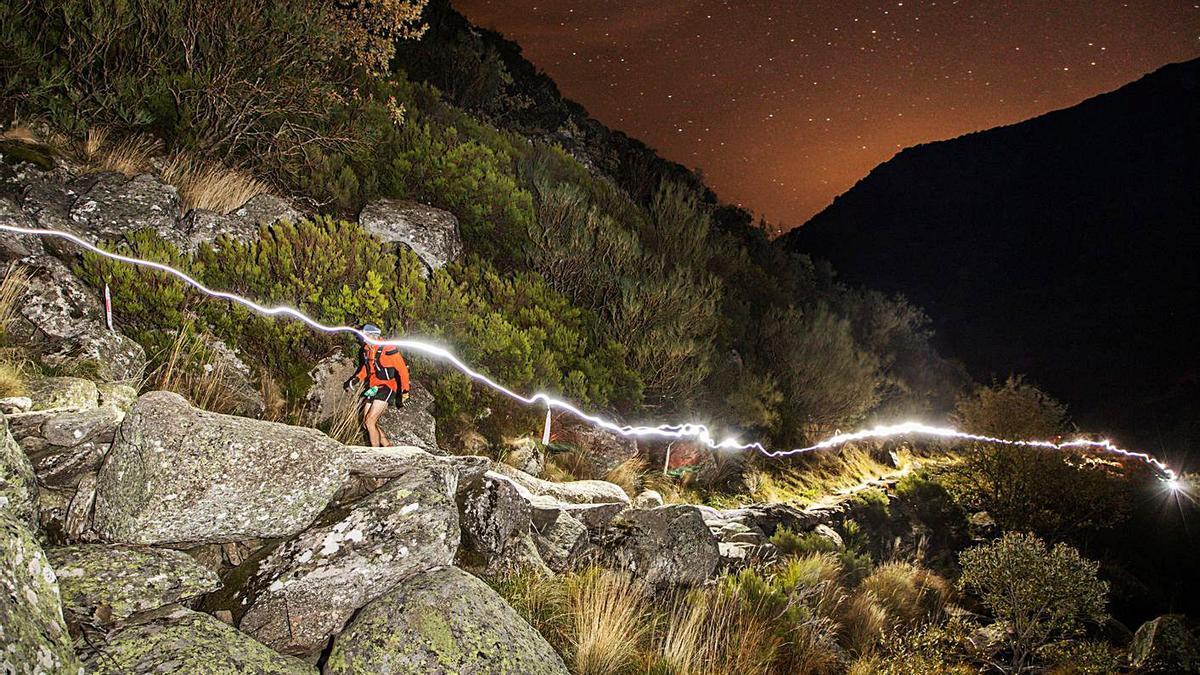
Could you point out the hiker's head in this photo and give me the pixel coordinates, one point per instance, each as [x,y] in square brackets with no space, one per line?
[372,331]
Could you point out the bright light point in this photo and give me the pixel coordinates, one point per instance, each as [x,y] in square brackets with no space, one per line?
[1174,485]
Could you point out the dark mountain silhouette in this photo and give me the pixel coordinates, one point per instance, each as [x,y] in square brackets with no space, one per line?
[1064,247]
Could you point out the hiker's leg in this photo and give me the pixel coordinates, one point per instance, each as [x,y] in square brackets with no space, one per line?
[363,418]
[374,410]
[367,424]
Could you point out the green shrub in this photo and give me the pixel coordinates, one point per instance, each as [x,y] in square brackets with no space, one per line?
[1055,493]
[512,327]
[1042,594]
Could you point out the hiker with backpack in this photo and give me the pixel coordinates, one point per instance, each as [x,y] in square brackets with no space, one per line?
[383,370]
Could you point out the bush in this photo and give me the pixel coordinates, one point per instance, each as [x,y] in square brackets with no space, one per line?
[826,379]
[512,327]
[1042,594]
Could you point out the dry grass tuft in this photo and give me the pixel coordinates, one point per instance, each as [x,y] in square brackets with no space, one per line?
[569,465]
[22,133]
[628,475]
[12,290]
[862,623]
[608,621]
[705,634]
[344,426]
[12,380]
[131,155]
[909,593]
[210,186]
[187,372]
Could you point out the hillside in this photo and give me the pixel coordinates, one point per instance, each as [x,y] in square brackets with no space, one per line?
[1062,247]
[184,481]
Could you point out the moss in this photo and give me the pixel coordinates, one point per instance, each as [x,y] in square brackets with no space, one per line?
[16,152]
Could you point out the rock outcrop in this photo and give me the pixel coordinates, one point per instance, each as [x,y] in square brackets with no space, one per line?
[571,492]
[62,320]
[65,447]
[1165,645]
[266,209]
[668,546]
[33,632]
[18,486]
[399,460]
[178,640]
[496,526]
[305,590]
[115,205]
[604,449]
[177,474]
[442,621]
[105,585]
[431,233]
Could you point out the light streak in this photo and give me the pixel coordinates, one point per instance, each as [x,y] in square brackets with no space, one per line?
[697,432]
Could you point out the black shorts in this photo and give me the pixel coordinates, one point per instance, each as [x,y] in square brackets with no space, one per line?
[381,393]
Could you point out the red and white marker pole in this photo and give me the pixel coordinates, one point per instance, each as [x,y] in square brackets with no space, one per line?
[107,307]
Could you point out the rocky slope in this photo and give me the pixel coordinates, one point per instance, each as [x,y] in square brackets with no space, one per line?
[143,534]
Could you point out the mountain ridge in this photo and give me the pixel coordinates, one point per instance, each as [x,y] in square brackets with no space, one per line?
[1048,216]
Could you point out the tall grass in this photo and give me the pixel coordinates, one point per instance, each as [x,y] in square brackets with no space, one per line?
[211,186]
[101,151]
[12,290]
[811,478]
[909,593]
[186,372]
[608,621]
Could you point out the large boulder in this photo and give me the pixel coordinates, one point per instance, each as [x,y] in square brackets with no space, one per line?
[18,487]
[305,591]
[103,585]
[571,492]
[496,527]
[603,448]
[62,320]
[1165,645]
[178,640]
[669,546]
[33,632]
[442,621]
[177,474]
[561,540]
[116,205]
[431,233]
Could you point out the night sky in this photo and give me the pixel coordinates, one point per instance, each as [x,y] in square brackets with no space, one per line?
[783,105]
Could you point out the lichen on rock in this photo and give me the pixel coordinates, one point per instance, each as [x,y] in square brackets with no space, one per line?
[33,632]
[108,584]
[177,474]
[442,621]
[178,640]
[306,590]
